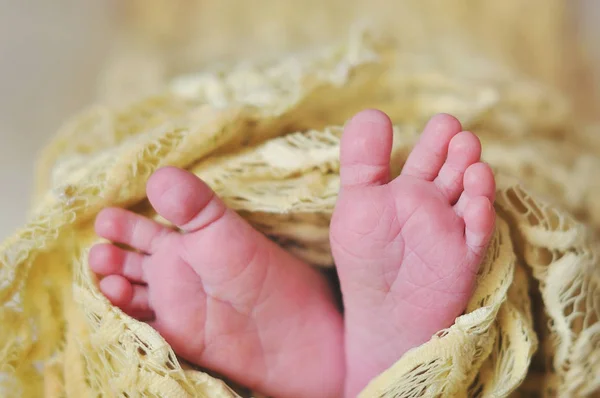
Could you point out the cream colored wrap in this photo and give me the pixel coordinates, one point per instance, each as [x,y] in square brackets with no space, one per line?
[271,130]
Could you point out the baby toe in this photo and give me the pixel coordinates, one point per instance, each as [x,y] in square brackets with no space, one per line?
[130,298]
[107,259]
[464,150]
[479,225]
[123,226]
[117,289]
[478,181]
[428,156]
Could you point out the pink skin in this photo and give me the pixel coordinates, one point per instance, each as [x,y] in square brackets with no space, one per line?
[220,293]
[228,299]
[407,250]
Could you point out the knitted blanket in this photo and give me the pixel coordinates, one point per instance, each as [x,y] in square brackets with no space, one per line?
[265,137]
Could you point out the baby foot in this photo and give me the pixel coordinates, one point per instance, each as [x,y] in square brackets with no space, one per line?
[220,293]
[407,250]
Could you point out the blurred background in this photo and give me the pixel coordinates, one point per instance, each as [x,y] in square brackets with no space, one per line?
[58,57]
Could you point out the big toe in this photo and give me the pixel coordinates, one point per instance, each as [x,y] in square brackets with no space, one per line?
[365,149]
[183,199]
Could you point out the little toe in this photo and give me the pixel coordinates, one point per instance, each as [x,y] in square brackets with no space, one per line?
[117,289]
[464,150]
[183,199]
[477,181]
[122,226]
[479,219]
[428,156]
[131,299]
[365,149]
[107,259]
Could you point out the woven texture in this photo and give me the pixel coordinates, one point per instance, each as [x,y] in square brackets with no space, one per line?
[271,130]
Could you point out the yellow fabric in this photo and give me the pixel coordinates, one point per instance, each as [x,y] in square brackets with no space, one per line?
[541,38]
[271,130]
